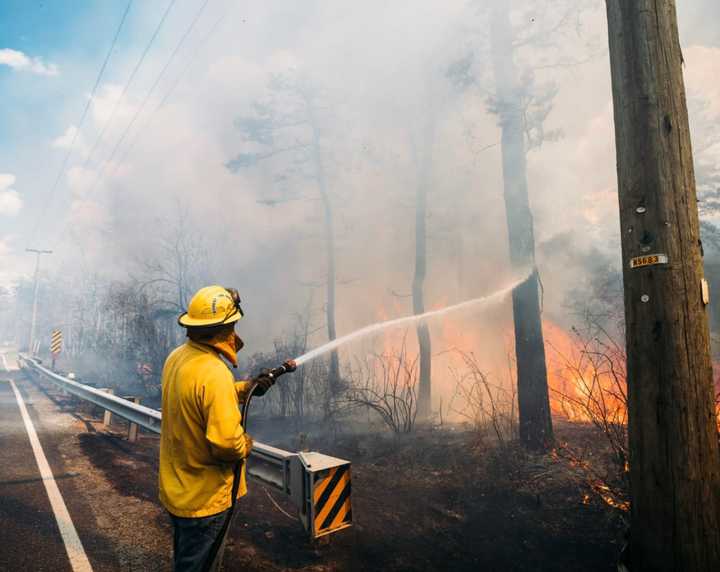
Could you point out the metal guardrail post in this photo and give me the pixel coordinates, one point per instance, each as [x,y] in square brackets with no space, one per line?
[107,416]
[133,428]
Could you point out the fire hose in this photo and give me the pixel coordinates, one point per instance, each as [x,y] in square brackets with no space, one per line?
[287,367]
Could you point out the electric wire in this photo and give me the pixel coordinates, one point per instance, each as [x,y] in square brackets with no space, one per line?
[192,60]
[149,94]
[149,45]
[129,82]
[131,146]
[53,189]
[164,100]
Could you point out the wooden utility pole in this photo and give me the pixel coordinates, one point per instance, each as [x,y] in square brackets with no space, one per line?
[533,401]
[36,288]
[674,460]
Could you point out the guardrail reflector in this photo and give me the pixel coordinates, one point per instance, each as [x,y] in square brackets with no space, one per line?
[56,340]
[331,500]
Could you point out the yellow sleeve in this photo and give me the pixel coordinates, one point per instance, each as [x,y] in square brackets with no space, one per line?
[222,418]
[242,388]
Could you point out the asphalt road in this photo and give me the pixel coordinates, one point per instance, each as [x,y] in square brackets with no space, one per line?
[58,510]
[29,535]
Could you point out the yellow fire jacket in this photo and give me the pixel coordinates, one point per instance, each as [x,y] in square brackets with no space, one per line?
[201,437]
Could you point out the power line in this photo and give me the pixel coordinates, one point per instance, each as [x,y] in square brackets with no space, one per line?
[196,53]
[161,104]
[82,119]
[140,109]
[129,82]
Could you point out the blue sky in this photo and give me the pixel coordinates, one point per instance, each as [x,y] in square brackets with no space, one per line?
[37,107]
[73,36]
[63,44]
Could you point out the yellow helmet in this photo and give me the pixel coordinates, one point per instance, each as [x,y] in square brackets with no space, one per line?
[212,306]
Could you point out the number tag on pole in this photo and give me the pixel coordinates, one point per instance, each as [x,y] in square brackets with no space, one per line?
[648,260]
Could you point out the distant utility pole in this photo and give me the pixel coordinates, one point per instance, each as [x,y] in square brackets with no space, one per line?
[674,457]
[38,253]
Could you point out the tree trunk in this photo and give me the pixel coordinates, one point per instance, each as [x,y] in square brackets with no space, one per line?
[334,365]
[424,387]
[675,465]
[533,403]
[334,371]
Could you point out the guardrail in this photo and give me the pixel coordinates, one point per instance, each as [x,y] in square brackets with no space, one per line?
[145,417]
[318,485]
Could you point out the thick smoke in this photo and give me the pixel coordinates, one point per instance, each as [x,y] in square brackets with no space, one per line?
[402,95]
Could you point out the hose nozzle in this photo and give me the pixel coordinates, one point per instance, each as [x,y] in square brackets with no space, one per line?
[286,367]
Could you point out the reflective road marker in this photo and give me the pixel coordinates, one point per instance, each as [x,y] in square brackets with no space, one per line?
[75,551]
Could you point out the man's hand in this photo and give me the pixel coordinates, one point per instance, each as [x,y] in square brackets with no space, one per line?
[249,443]
[264,382]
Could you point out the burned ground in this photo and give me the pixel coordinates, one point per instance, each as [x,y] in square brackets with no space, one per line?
[435,500]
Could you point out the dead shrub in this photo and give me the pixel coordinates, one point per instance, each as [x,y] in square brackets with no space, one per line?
[490,408]
[594,390]
[385,384]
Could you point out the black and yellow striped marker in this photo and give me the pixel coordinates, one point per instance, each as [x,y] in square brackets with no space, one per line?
[331,500]
[56,338]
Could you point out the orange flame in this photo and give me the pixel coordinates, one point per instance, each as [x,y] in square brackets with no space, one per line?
[586,381]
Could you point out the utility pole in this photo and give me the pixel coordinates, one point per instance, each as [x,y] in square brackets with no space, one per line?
[674,457]
[38,253]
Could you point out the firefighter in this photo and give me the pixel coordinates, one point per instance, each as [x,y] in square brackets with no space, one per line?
[202,443]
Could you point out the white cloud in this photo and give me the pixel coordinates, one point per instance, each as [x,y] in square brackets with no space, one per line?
[10,201]
[65,141]
[6,180]
[21,62]
[81,181]
[704,105]
[69,140]
[12,266]
[107,103]
[702,63]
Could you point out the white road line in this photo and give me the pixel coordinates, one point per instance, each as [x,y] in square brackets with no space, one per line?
[75,551]
[5,363]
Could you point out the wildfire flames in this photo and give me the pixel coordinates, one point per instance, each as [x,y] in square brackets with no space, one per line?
[586,379]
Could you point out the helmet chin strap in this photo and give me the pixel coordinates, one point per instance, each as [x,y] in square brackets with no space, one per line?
[235,295]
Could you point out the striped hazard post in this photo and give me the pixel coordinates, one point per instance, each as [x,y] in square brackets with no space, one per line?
[332,510]
[56,339]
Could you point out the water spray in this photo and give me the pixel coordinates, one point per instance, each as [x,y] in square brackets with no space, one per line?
[292,365]
[408,320]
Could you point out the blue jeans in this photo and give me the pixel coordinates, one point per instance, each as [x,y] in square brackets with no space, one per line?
[193,541]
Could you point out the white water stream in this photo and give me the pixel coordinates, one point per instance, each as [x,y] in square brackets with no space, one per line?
[380,326]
